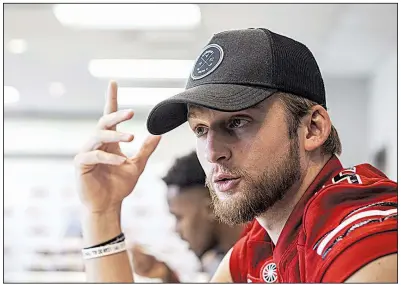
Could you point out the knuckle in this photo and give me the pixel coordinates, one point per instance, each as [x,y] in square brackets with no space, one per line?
[98,154]
[92,141]
[80,159]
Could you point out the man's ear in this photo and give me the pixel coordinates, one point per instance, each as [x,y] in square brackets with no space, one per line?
[317,128]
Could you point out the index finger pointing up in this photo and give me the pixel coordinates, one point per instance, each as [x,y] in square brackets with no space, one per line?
[111,105]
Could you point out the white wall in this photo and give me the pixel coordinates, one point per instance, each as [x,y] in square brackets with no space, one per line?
[347,106]
[382,106]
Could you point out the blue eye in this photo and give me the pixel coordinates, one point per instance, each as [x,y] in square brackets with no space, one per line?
[237,123]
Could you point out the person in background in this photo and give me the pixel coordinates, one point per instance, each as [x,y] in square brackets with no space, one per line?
[190,202]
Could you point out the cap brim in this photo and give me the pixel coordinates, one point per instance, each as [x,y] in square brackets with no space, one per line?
[172,112]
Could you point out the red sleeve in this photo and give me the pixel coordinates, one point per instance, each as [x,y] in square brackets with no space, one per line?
[349,227]
[359,254]
[372,234]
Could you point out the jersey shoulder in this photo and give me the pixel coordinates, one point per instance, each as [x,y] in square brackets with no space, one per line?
[357,203]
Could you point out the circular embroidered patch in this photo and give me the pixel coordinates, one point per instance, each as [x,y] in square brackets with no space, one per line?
[269,273]
[209,59]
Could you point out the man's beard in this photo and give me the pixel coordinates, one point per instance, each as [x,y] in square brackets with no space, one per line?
[258,195]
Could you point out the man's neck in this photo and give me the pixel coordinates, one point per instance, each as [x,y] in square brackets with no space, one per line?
[274,220]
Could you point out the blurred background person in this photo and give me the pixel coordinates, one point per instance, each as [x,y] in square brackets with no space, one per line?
[190,203]
[54,94]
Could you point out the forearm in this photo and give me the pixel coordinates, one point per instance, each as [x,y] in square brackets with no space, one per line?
[98,228]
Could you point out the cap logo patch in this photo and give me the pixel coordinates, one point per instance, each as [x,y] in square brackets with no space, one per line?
[209,59]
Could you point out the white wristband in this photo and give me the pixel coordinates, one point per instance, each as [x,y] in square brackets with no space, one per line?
[103,250]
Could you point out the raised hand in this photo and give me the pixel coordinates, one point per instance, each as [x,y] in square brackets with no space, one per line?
[105,175]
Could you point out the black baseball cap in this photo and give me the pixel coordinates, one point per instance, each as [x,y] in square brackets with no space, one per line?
[239,69]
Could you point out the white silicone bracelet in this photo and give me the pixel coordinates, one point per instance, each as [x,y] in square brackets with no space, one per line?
[103,250]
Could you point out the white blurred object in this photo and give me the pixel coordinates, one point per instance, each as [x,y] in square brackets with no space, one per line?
[140,68]
[129,16]
[56,89]
[11,95]
[17,46]
[144,96]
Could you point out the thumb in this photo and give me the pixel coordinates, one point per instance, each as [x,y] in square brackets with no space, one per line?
[146,150]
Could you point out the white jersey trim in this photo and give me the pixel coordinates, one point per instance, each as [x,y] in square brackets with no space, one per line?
[349,221]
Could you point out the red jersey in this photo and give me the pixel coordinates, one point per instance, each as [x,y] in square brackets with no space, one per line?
[346,219]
